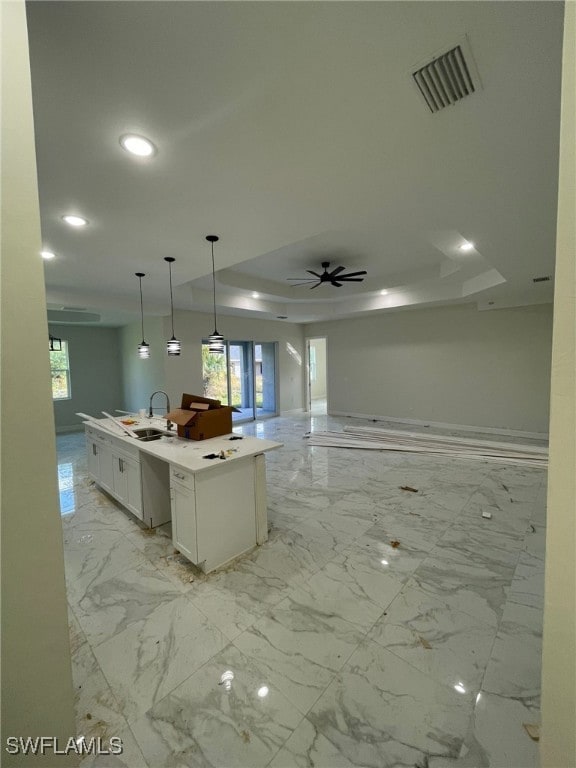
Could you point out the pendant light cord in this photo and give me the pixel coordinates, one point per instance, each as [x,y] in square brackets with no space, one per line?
[171,300]
[213,285]
[141,309]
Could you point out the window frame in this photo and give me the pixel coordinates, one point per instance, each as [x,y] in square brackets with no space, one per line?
[61,371]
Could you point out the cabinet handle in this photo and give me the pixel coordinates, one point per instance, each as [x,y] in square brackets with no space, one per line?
[120,465]
[179,476]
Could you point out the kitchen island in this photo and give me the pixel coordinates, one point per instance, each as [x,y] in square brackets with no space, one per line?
[217,505]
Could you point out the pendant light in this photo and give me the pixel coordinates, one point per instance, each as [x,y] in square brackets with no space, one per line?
[172,346]
[143,348]
[215,340]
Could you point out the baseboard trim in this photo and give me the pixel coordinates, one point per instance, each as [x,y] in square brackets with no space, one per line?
[292,412]
[444,425]
[70,428]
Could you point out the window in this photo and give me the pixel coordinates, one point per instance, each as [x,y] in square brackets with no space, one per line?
[60,368]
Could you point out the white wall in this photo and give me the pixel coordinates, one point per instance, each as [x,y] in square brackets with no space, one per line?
[184,373]
[37,693]
[559,657]
[451,365]
[95,373]
[142,377]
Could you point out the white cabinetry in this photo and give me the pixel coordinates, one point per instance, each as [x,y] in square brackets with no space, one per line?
[100,460]
[183,502]
[127,487]
[217,508]
[213,513]
[115,468]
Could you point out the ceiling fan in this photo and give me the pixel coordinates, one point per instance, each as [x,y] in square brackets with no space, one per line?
[335,277]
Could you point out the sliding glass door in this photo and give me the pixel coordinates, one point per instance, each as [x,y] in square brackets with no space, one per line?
[244,376]
[241,378]
[265,377]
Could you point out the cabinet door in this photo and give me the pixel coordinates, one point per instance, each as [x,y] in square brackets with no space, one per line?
[106,476]
[183,502]
[92,459]
[120,479]
[133,497]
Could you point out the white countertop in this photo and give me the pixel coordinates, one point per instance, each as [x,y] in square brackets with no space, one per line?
[182,453]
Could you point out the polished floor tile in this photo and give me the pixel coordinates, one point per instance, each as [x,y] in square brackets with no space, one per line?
[450,646]
[154,654]
[226,714]
[376,627]
[381,711]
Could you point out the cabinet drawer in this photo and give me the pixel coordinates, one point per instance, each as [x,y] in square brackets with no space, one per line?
[180,477]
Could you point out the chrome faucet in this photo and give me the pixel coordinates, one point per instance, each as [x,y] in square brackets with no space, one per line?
[169,424]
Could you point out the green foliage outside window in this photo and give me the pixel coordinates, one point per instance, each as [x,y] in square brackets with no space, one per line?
[214,375]
[60,369]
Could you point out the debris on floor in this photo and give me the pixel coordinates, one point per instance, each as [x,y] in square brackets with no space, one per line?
[408,488]
[533,730]
[395,544]
[487,515]
[424,643]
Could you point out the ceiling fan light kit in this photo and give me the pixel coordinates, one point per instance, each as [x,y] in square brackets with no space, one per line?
[335,277]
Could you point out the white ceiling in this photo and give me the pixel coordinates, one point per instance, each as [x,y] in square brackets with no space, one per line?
[295,133]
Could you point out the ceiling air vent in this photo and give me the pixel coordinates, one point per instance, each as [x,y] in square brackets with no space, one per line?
[446,79]
[543,279]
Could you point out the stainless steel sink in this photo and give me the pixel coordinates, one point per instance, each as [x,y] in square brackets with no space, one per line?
[148,434]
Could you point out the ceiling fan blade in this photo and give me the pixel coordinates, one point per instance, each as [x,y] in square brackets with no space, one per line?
[306,282]
[312,273]
[336,271]
[351,279]
[353,274]
[315,286]
[338,285]
[303,279]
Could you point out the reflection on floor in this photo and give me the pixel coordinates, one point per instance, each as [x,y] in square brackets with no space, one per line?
[377,627]
[318,406]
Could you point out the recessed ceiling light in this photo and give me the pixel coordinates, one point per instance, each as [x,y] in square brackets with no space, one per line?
[255,295]
[467,247]
[384,292]
[47,254]
[137,145]
[75,221]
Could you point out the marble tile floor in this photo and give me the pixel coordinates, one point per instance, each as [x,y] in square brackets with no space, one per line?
[377,628]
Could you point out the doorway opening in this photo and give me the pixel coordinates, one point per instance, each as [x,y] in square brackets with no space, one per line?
[317,379]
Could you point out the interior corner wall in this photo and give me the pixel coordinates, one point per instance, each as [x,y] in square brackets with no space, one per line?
[140,378]
[184,373]
[450,365]
[37,697]
[558,738]
[95,373]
